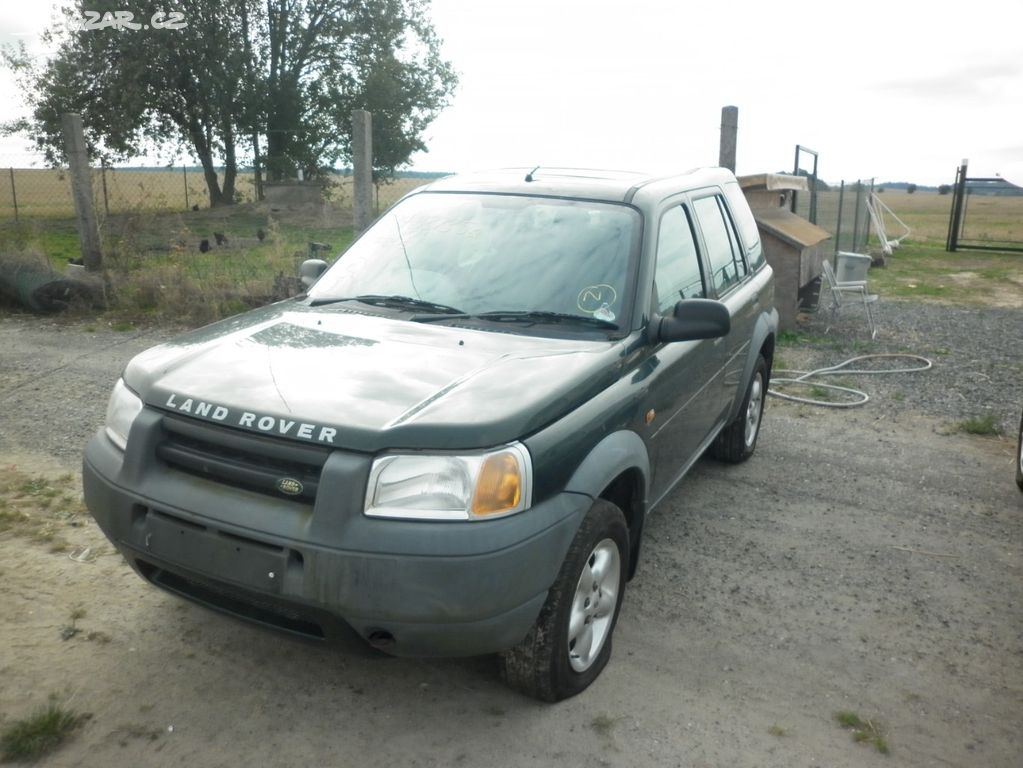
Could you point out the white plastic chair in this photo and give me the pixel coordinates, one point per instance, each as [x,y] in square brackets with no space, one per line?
[849,292]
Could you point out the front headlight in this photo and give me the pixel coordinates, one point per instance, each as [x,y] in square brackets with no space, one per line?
[122,409]
[423,486]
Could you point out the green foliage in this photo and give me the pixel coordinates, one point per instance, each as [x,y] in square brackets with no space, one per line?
[40,733]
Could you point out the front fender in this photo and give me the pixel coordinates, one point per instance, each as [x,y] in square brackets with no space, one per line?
[616,453]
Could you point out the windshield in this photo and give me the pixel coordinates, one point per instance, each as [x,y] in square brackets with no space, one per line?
[475,254]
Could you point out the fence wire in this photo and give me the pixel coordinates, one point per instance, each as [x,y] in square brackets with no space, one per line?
[841,209]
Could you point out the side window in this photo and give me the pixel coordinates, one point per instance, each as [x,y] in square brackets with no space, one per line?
[724,253]
[746,224]
[678,274]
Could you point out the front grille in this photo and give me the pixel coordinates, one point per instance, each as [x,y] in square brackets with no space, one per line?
[244,461]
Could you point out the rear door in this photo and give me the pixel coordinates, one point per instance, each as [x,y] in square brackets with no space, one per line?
[730,279]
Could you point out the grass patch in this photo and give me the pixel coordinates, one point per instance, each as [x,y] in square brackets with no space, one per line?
[40,733]
[777,730]
[821,393]
[39,508]
[980,425]
[928,272]
[864,731]
[188,268]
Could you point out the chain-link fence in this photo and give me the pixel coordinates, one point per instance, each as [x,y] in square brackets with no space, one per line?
[841,209]
[45,193]
[34,193]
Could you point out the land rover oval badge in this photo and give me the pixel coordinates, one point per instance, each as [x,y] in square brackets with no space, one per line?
[290,486]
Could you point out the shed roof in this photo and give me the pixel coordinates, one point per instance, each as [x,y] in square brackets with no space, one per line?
[774,181]
[789,227]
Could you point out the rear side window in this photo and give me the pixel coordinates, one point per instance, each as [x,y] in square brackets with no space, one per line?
[727,264]
[678,274]
[747,225]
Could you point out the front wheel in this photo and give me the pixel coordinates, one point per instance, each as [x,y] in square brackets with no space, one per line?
[570,643]
[738,440]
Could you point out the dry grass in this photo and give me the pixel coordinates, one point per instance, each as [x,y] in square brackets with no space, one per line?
[38,508]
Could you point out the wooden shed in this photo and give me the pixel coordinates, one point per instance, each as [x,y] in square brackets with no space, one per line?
[792,245]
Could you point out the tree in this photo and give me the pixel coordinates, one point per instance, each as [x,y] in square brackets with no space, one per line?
[290,71]
[910,189]
[136,89]
[944,189]
[324,58]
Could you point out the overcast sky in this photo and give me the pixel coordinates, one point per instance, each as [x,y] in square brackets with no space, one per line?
[898,90]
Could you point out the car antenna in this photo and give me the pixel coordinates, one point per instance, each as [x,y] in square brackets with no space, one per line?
[529,176]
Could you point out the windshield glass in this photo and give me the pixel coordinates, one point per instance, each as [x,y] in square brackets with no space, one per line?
[494,253]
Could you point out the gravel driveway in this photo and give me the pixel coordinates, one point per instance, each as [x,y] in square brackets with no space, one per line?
[866,560]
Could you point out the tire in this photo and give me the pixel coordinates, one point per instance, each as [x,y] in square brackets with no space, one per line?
[738,440]
[554,661]
[1019,456]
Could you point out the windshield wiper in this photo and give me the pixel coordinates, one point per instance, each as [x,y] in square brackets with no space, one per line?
[391,302]
[544,316]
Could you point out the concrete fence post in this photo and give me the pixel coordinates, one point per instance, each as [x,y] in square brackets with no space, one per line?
[729,133]
[81,190]
[362,169]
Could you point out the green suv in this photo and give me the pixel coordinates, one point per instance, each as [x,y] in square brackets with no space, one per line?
[450,444]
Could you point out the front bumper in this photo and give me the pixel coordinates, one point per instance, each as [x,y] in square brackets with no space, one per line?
[411,588]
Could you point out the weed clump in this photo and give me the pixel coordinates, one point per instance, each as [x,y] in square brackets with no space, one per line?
[40,733]
[980,425]
[864,731]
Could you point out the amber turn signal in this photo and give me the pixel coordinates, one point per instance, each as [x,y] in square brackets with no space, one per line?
[499,486]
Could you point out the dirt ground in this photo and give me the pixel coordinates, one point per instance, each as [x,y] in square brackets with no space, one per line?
[855,563]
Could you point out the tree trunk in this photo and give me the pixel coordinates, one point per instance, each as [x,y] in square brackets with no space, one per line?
[230,164]
[209,172]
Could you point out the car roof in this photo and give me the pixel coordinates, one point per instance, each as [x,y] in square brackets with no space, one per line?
[592,184]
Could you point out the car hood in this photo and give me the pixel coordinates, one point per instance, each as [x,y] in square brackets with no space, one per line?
[365,382]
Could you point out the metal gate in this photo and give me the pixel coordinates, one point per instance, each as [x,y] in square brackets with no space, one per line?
[987,214]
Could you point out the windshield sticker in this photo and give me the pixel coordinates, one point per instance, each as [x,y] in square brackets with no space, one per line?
[594,298]
[604,313]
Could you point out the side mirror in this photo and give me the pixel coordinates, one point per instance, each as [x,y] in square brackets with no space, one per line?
[694,319]
[311,270]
